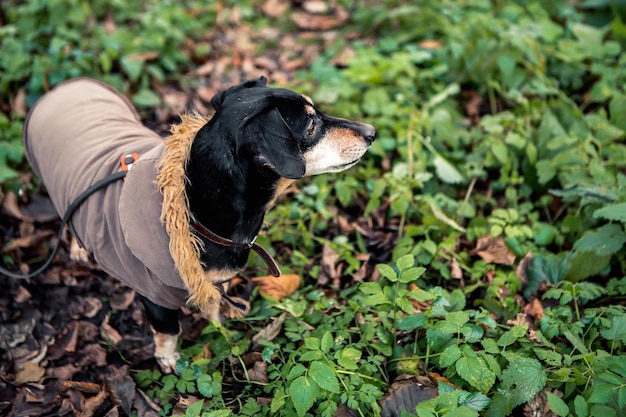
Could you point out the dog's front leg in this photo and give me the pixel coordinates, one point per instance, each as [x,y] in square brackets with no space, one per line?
[165,351]
[164,322]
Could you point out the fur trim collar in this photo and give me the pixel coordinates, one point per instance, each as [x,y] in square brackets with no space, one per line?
[185,247]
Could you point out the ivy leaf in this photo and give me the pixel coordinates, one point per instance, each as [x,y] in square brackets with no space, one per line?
[617,331]
[581,407]
[511,335]
[446,171]
[348,358]
[405,262]
[449,356]
[194,409]
[208,386]
[476,373]
[557,405]
[146,98]
[327,342]
[387,272]
[412,322]
[324,376]
[303,392]
[613,212]
[411,274]
[523,378]
[476,401]
[606,240]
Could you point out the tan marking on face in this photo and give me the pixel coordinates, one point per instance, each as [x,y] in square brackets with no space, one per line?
[310,110]
[282,186]
[339,150]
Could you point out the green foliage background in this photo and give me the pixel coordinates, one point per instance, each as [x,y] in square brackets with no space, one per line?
[542,166]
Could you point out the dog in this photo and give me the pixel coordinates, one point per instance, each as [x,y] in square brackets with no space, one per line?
[185,217]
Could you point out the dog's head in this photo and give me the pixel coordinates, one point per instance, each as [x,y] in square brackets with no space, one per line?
[283,131]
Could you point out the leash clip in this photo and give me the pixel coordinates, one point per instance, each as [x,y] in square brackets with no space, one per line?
[127,161]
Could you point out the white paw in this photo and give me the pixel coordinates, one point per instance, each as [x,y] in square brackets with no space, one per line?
[165,351]
[77,253]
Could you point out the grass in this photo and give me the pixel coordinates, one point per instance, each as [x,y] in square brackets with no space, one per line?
[480,243]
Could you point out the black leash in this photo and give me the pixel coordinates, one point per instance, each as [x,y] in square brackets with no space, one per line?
[68,214]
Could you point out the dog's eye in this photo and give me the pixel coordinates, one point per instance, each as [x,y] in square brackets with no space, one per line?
[311,129]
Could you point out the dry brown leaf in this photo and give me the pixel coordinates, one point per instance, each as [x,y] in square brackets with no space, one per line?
[308,21]
[82,386]
[345,411]
[272,330]
[539,405]
[258,372]
[122,301]
[535,309]
[494,251]
[330,271]
[277,287]
[32,372]
[85,307]
[522,267]
[275,8]
[18,104]
[455,270]
[430,44]
[11,206]
[183,403]
[520,319]
[109,333]
[27,241]
[90,406]
[405,394]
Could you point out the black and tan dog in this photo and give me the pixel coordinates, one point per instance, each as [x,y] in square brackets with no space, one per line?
[216,175]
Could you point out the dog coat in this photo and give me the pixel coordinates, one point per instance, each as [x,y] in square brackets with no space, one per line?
[75,136]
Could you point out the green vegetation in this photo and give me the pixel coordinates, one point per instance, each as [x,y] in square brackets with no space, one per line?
[502,119]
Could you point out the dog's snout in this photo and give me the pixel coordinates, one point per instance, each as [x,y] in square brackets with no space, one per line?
[369,133]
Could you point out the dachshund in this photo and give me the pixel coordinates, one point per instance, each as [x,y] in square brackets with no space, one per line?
[184,219]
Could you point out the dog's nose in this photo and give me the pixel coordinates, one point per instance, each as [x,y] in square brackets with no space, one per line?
[369,133]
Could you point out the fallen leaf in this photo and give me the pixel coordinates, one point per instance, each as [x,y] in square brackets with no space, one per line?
[11,206]
[122,301]
[534,309]
[122,389]
[275,8]
[345,411]
[309,21]
[272,330]
[404,395]
[145,406]
[110,333]
[18,104]
[455,270]
[330,271]
[430,44]
[494,251]
[27,241]
[85,307]
[539,405]
[258,372]
[32,372]
[91,405]
[522,267]
[277,287]
[183,403]
[86,387]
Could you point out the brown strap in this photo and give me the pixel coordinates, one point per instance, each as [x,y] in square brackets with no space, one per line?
[219,240]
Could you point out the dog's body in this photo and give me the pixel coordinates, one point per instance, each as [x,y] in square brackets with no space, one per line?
[222,173]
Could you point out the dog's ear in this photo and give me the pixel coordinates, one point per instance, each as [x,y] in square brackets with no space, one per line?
[219,98]
[275,146]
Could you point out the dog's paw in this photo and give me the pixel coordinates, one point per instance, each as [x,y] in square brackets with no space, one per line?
[165,351]
[77,253]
